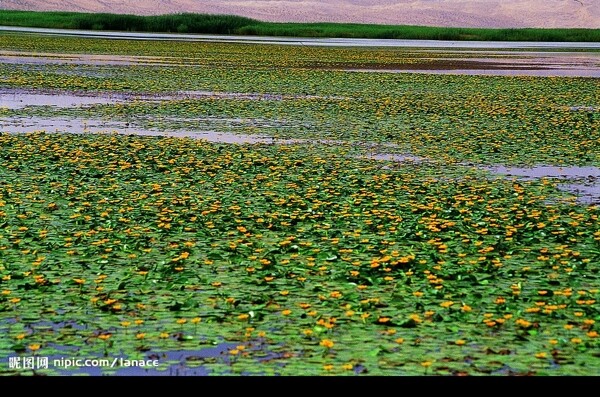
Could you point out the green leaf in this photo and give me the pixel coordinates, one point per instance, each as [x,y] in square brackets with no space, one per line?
[374,352]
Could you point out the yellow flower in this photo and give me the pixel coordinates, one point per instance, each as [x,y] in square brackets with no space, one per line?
[540,355]
[181,321]
[286,312]
[196,320]
[416,318]
[426,363]
[446,304]
[34,346]
[140,335]
[328,343]
[460,342]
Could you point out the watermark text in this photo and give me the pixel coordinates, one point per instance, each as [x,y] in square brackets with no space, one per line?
[41,362]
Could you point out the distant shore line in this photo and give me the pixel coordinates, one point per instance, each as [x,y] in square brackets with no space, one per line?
[237,25]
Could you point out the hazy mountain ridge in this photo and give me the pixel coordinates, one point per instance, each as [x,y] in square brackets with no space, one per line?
[459,13]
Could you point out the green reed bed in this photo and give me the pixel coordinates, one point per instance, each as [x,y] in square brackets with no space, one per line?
[231,24]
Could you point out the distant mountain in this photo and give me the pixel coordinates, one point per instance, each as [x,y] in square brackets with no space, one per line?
[456,13]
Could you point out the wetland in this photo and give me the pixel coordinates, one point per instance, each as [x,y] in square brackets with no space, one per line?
[263,209]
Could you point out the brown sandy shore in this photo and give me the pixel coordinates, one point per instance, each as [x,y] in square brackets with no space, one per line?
[456,13]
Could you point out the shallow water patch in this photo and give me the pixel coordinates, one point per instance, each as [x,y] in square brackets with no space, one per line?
[586,193]
[546,171]
[395,157]
[22,57]
[20,100]
[584,182]
[583,108]
[543,64]
[80,126]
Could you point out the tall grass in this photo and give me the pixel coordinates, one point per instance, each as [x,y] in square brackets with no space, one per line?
[420,32]
[182,23]
[231,24]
